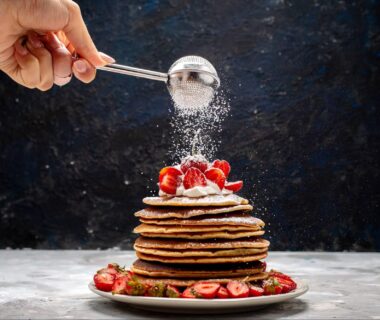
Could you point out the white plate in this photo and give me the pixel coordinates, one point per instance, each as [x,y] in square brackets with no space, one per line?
[201,306]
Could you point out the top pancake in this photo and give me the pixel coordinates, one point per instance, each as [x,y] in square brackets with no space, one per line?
[208,201]
[186,213]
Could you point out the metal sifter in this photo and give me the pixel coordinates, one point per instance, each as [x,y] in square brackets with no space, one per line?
[191,80]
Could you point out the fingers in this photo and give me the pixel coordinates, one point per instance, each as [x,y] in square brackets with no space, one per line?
[77,33]
[37,48]
[27,72]
[83,70]
[62,59]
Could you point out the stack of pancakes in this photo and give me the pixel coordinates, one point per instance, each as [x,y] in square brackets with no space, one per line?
[184,240]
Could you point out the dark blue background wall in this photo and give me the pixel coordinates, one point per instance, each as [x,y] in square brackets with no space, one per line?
[303,78]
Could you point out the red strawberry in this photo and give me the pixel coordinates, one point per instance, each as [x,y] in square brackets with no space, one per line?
[169,170]
[222,165]
[271,286]
[255,291]
[193,178]
[206,290]
[120,285]
[237,289]
[104,281]
[172,292]
[112,268]
[217,176]
[157,290]
[222,293]
[169,183]
[189,293]
[198,162]
[279,275]
[287,285]
[234,186]
[135,288]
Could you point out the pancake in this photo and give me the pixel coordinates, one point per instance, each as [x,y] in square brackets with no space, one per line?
[234,219]
[178,244]
[158,269]
[175,229]
[197,260]
[189,282]
[205,235]
[200,253]
[185,213]
[209,201]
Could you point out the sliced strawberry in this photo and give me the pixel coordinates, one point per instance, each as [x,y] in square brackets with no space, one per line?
[206,290]
[169,183]
[237,289]
[255,291]
[104,281]
[217,176]
[169,170]
[234,186]
[222,165]
[189,293]
[287,285]
[157,290]
[193,178]
[120,285]
[135,288]
[222,293]
[279,275]
[198,162]
[172,292]
[112,268]
[271,286]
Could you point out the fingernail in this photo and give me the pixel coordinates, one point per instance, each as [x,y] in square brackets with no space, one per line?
[62,81]
[35,42]
[80,66]
[107,58]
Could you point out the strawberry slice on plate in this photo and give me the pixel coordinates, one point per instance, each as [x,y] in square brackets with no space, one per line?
[222,165]
[189,293]
[286,284]
[237,289]
[172,292]
[234,186]
[217,176]
[198,162]
[120,285]
[194,178]
[255,291]
[104,281]
[222,293]
[206,290]
[272,286]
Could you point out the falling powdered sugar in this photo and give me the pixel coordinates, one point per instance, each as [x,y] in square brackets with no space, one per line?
[197,131]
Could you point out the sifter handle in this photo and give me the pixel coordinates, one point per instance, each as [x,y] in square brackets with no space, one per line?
[136,72]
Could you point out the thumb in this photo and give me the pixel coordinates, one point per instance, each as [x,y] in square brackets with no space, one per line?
[77,33]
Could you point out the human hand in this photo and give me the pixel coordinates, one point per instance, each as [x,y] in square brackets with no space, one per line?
[39,39]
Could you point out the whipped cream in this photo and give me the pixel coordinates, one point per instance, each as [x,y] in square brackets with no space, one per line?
[198,191]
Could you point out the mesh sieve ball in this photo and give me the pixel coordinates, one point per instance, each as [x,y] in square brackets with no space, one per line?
[192,82]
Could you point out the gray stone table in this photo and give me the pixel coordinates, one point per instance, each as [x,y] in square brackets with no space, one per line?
[53,285]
